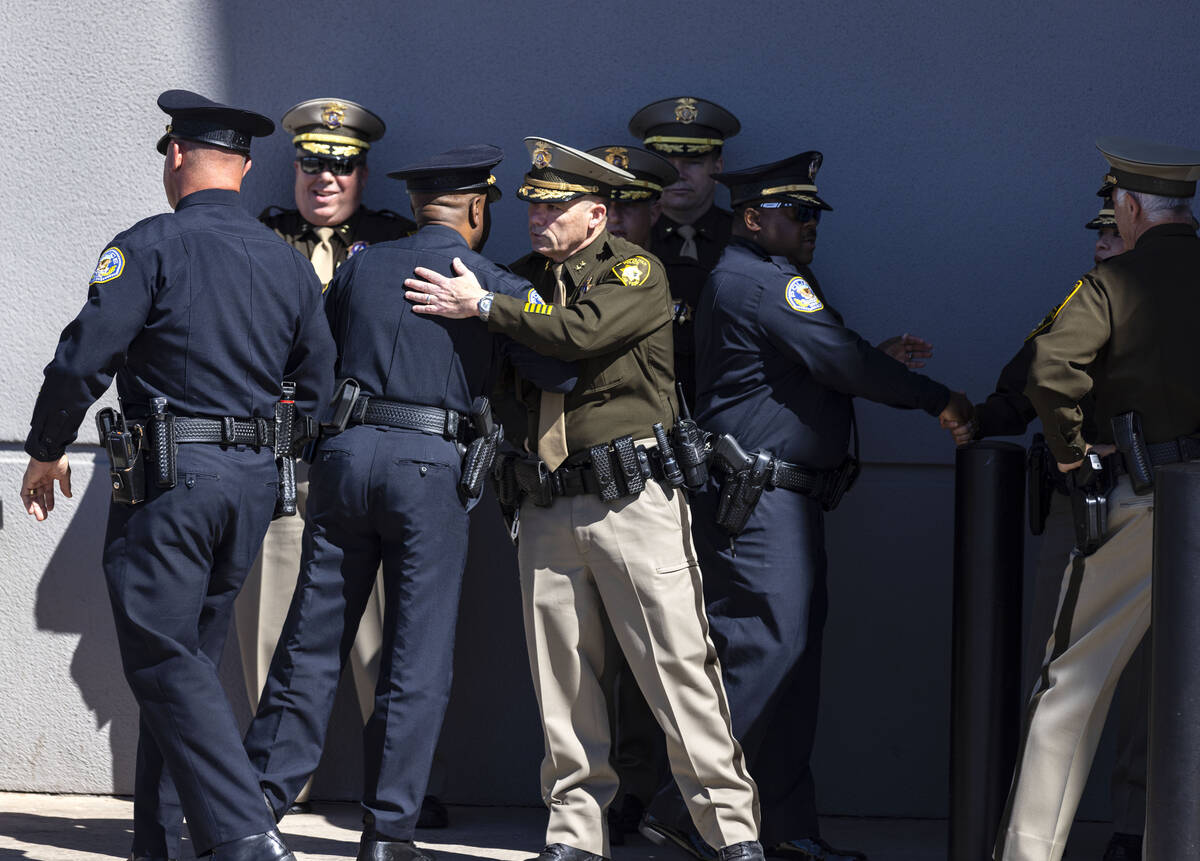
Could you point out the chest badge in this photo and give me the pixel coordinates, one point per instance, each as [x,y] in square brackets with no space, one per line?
[800,296]
[633,272]
[109,267]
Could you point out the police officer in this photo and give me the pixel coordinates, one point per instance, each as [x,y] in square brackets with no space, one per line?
[1106,340]
[234,311]
[777,371]
[388,489]
[601,537]
[639,754]
[1006,412]
[328,225]
[689,238]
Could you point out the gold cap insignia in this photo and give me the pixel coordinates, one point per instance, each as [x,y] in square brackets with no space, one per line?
[491,180]
[617,156]
[814,166]
[541,155]
[333,115]
[686,111]
[1109,179]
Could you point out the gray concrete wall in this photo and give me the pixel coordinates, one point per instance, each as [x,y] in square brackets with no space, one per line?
[959,160]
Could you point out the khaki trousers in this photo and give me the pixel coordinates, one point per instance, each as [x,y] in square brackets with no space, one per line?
[1103,613]
[631,562]
[262,605]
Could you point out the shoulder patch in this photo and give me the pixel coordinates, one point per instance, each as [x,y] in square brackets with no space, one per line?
[356,247]
[633,272]
[1054,312]
[534,297]
[801,296]
[109,267]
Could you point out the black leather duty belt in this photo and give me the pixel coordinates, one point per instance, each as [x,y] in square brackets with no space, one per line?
[580,479]
[435,421]
[1176,451]
[226,431]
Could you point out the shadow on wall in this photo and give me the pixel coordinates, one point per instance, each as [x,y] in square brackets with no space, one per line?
[72,599]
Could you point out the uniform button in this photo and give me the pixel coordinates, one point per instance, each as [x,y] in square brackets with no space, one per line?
[424,470]
[190,481]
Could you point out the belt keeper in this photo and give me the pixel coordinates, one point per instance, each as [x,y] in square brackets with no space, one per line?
[228,434]
[451,426]
[358,412]
[260,431]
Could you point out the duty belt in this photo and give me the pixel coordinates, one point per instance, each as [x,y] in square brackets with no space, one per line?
[1175,451]
[791,476]
[397,414]
[226,431]
[578,479]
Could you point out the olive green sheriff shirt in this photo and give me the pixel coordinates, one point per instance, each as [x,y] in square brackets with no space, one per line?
[1127,334]
[616,324]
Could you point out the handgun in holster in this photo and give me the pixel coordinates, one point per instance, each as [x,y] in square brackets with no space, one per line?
[285,431]
[1040,487]
[691,447]
[127,470]
[1090,484]
[742,485]
[1131,443]
[481,453]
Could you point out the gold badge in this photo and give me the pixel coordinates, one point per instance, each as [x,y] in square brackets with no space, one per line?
[617,156]
[686,111]
[814,166]
[1109,179]
[541,155]
[333,115]
[633,272]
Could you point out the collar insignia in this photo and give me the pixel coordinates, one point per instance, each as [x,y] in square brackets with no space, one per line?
[686,111]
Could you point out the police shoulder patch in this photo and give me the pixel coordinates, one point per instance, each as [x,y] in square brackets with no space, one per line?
[633,272]
[535,297]
[109,267]
[801,297]
[356,247]
[1054,312]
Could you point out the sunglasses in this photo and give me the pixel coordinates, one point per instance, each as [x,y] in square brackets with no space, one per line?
[794,211]
[313,164]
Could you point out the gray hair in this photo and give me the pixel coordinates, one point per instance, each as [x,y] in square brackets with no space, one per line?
[1156,206]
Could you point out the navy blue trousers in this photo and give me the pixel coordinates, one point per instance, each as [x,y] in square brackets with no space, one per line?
[766,611]
[173,565]
[374,495]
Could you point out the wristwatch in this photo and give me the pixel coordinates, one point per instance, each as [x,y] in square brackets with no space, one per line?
[485,305]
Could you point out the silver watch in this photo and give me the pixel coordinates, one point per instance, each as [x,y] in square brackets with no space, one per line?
[485,305]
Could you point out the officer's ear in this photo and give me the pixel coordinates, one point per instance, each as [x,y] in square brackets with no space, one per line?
[475,210]
[598,214]
[750,218]
[246,167]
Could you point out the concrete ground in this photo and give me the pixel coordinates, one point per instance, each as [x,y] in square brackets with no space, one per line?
[83,828]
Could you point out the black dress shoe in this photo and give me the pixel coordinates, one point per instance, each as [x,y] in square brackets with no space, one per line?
[563,852]
[812,849]
[257,847]
[624,818]
[685,839]
[747,850]
[1124,847]
[370,849]
[433,813]
[300,807]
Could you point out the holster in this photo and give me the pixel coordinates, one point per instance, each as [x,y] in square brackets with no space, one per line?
[740,492]
[343,404]
[162,440]
[1040,486]
[690,445]
[126,453]
[481,453]
[285,430]
[1131,443]
[1090,485]
[533,479]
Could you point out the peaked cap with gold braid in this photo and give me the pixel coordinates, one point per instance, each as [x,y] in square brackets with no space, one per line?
[560,173]
[793,178]
[683,126]
[653,172]
[332,128]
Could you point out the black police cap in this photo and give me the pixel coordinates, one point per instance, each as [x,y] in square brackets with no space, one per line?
[791,178]
[1106,217]
[683,126]
[653,172]
[195,118]
[467,168]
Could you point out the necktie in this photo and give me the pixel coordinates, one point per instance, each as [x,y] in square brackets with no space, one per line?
[552,422]
[688,249]
[322,255]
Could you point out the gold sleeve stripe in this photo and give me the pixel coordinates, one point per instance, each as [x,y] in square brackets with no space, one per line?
[780,189]
[536,308]
[333,139]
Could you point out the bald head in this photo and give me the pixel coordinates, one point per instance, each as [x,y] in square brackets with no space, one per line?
[463,211]
[190,167]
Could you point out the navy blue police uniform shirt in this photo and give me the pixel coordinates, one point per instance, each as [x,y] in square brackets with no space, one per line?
[397,354]
[203,306]
[777,369]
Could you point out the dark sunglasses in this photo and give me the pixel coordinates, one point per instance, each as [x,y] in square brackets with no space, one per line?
[795,211]
[313,164]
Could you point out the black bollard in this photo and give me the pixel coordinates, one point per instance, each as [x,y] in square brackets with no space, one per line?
[989,537]
[1173,762]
